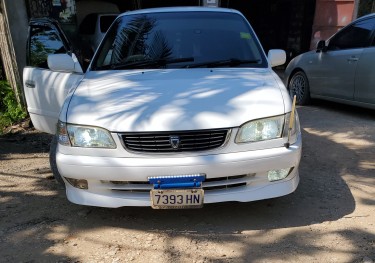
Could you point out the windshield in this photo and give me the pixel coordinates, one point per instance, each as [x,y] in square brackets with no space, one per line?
[179,40]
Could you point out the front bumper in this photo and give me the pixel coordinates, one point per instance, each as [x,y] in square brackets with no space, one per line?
[116,182]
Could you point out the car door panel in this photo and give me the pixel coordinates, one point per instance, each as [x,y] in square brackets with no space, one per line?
[45,92]
[365,77]
[335,67]
[332,73]
[365,74]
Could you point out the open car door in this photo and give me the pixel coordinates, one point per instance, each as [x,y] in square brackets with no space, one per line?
[45,89]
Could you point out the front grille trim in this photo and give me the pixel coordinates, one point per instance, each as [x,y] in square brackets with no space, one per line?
[211,184]
[158,142]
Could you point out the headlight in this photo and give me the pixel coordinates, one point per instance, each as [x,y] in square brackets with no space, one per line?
[84,136]
[261,130]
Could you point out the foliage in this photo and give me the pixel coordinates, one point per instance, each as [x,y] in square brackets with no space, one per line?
[139,38]
[366,7]
[1,71]
[10,110]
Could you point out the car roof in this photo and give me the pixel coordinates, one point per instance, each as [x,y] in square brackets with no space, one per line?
[42,20]
[181,9]
[359,19]
[365,16]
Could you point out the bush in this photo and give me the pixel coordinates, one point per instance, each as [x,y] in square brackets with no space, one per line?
[10,111]
[366,7]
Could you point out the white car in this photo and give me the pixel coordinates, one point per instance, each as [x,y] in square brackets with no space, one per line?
[179,107]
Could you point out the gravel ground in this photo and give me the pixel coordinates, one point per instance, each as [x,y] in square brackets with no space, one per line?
[330,217]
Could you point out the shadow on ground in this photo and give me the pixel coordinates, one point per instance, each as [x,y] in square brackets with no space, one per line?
[322,197]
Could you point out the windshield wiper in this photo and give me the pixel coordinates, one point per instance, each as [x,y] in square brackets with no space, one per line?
[227,62]
[149,63]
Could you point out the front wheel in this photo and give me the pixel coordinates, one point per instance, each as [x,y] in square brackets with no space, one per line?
[299,86]
[52,161]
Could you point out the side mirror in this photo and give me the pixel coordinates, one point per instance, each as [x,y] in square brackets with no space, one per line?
[63,63]
[276,57]
[321,46]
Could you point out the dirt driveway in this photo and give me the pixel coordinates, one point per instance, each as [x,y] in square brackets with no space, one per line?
[330,218]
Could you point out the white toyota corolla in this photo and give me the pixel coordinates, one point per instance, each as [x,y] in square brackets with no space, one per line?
[179,107]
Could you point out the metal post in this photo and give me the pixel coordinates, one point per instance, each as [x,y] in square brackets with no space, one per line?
[355,10]
[211,3]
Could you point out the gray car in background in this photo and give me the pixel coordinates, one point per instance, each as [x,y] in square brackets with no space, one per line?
[341,69]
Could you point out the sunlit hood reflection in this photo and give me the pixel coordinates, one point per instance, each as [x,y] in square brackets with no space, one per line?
[175,99]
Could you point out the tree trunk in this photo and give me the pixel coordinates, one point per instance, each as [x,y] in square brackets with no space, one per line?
[8,56]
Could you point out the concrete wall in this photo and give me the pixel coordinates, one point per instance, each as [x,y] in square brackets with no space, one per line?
[18,24]
[331,16]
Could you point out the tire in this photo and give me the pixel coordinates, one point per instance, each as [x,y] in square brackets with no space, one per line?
[299,86]
[52,161]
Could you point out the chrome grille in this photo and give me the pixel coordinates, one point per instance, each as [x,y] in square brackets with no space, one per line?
[179,141]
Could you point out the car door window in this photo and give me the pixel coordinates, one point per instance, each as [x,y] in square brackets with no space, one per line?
[43,41]
[356,36]
[373,33]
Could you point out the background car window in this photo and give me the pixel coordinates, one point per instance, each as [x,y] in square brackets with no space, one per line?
[356,36]
[373,34]
[43,42]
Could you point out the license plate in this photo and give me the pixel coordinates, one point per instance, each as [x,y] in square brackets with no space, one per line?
[177,198]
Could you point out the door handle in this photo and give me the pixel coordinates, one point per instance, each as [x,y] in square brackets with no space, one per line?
[30,84]
[352,59]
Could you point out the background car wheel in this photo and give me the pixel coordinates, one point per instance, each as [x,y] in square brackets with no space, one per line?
[52,161]
[299,86]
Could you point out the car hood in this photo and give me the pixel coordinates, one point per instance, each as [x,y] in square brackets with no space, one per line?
[300,61]
[175,99]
